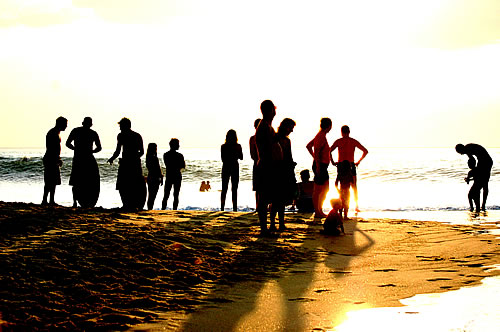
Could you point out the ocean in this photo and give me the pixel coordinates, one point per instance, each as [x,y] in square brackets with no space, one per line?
[401,183]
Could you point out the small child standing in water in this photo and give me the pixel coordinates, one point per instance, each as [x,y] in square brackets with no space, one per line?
[155,176]
[333,223]
[475,190]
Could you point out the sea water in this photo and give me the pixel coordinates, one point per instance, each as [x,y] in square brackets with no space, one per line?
[406,183]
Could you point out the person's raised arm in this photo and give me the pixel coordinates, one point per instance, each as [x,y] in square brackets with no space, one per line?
[117,150]
[362,148]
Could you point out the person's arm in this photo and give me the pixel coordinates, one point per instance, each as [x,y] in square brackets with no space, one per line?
[140,151]
[240,152]
[183,163]
[365,152]
[254,154]
[333,147]
[69,141]
[97,142]
[310,147]
[117,150]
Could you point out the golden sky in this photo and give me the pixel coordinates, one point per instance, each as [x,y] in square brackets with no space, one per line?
[400,73]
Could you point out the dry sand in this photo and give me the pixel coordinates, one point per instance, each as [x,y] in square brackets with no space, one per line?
[198,270]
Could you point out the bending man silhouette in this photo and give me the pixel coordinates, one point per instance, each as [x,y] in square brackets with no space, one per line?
[130,182]
[52,160]
[84,170]
[483,168]
[347,145]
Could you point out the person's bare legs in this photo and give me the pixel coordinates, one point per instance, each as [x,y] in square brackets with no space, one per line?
[355,191]
[319,196]
[485,196]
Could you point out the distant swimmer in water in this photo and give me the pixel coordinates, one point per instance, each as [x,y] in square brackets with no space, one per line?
[52,161]
[84,171]
[483,167]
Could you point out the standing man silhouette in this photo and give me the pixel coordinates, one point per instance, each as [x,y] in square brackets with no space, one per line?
[269,151]
[52,160]
[347,145]
[320,150]
[130,181]
[84,171]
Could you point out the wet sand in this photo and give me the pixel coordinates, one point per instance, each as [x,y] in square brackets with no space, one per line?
[197,270]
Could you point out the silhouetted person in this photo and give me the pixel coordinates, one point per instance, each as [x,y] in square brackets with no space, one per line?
[285,176]
[320,151]
[130,181]
[174,163]
[155,176]
[333,224]
[475,190]
[254,154]
[305,193]
[346,146]
[230,153]
[345,179]
[84,170]
[483,168]
[52,160]
[208,186]
[269,152]
[203,186]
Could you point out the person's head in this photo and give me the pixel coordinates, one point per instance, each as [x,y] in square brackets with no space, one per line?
[325,124]
[202,182]
[231,137]
[336,204]
[345,131]
[286,127]
[61,123]
[471,163]
[125,124]
[87,122]
[174,144]
[256,123]
[460,148]
[151,149]
[304,175]
[268,109]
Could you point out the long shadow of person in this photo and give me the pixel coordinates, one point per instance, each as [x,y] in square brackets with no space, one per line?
[282,306]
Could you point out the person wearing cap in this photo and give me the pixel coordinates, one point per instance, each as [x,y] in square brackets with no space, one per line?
[130,180]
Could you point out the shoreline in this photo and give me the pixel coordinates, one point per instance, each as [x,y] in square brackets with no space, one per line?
[185,270]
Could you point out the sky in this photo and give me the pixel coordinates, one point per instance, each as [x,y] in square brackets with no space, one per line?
[400,73]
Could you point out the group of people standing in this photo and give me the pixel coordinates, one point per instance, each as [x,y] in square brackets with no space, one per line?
[130,180]
[274,175]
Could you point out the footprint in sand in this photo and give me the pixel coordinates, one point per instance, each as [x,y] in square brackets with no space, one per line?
[321,290]
[438,279]
[385,270]
[387,285]
[473,265]
[445,270]
[301,299]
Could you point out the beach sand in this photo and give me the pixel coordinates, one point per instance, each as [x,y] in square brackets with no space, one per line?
[203,271]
